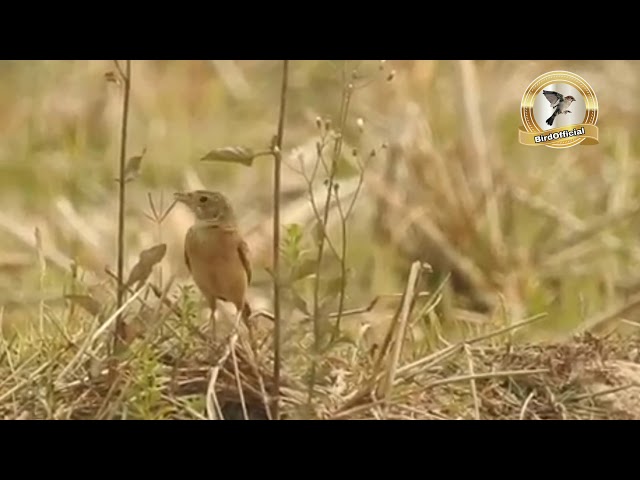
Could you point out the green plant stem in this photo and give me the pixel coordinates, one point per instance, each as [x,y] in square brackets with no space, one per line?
[317,333]
[120,326]
[344,217]
[276,243]
[343,268]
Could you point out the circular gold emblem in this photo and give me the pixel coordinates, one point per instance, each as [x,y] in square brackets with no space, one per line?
[559,109]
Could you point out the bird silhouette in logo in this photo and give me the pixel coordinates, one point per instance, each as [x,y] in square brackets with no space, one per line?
[558,102]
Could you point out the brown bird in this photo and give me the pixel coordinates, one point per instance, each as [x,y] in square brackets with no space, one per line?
[215,253]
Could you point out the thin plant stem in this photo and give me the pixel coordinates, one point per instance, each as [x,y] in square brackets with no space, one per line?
[126,79]
[343,266]
[344,217]
[276,242]
[344,109]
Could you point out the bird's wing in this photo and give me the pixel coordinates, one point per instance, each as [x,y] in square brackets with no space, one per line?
[243,250]
[553,97]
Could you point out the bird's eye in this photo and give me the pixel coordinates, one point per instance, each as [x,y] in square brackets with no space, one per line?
[203,199]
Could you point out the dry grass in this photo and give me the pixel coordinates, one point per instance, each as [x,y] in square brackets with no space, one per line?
[509,232]
[168,374]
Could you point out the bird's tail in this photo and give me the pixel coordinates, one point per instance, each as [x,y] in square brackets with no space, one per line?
[552,117]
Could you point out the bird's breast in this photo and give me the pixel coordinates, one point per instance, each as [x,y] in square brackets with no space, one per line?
[213,243]
[215,262]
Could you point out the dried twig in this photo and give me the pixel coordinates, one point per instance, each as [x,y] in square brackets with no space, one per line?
[523,411]
[213,406]
[405,312]
[120,333]
[472,383]
[276,239]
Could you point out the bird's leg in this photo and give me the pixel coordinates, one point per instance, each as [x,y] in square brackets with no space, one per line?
[245,314]
[212,322]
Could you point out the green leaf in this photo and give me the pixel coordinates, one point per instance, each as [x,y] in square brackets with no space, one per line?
[242,155]
[294,232]
[290,246]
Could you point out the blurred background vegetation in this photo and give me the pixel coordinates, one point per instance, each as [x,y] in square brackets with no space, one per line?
[520,230]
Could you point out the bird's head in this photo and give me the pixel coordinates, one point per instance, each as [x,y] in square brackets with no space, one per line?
[569,97]
[206,205]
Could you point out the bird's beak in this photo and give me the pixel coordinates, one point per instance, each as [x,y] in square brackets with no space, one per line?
[181,197]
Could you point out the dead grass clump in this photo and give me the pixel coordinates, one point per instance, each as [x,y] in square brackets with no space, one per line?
[586,378]
[169,373]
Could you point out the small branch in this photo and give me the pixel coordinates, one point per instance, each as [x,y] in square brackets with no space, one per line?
[32,377]
[276,241]
[120,71]
[236,372]
[120,326]
[472,383]
[360,183]
[431,359]
[602,393]
[523,410]
[484,376]
[346,313]
[605,318]
[344,111]
[344,217]
[212,404]
[404,370]
[343,265]
[345,413]
[312,198]
[405,312]
[95,333]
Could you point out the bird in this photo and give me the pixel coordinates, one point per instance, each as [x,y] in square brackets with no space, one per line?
[559,102]
[216,255]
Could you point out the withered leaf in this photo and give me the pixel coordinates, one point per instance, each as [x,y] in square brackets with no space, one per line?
[147,259]
[132,168]
[111,77]
[242,155]
[154,254]
[87,302]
